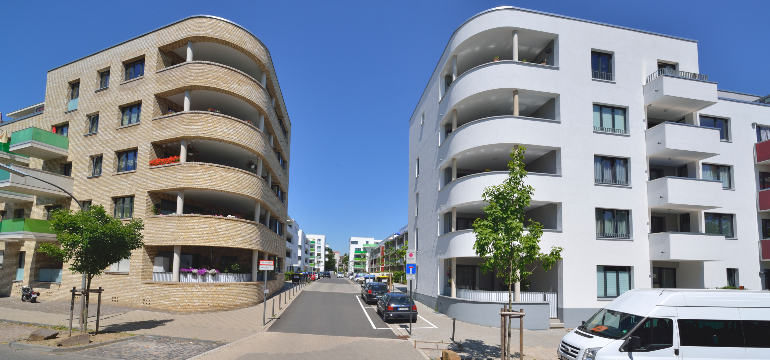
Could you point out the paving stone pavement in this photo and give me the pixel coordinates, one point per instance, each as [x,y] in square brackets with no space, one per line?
[150,347]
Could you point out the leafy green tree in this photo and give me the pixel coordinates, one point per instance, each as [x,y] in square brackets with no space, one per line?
[344,262]
[503,239]
[330,264]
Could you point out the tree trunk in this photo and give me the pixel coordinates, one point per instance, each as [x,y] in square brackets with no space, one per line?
[510,307]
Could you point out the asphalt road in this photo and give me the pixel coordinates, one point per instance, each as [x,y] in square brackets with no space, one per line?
[6,353]
[333,307]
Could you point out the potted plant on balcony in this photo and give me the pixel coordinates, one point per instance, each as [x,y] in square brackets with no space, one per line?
[191,150]
[213,110]
[251,165]
[497,58]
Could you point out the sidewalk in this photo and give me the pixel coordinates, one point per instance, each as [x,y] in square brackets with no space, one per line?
[478,342]
[226,326]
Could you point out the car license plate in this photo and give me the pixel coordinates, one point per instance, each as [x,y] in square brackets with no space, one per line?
[404,308]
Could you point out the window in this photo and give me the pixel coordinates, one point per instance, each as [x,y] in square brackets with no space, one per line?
[416,204]
[601,66]
[609,170]
[124,207]
[719,224]
[62,129]
[763,133]
[93,124]
[50,209]
[718,173]
[655,334]
[720,124]
[612,224]
[135,69]
[130,114]
[2,258]
[75,90]
[684,222]
[422,117]
[663,277]
[353,242]
[612,281]
[764,180]
[417,167]
[20,267]
[765,228]
[66,169]
[18,214]
[610,119]
[667,67]
[104,79]
[96,165]
[86,205]
[711,333]
[657,224]
[416,240]
[732,278]
[120,266]
[656,174]
[756,333]
[127,161]
[2,214]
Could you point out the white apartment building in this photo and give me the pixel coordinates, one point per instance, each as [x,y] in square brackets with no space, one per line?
[359,253]
[645,173]
[317,247]
[296,244]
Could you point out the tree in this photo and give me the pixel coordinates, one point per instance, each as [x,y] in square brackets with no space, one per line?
[344,262]
[503,239]
[330,264]
[90,241]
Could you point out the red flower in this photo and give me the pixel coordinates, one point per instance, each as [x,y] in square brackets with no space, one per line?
[164,161]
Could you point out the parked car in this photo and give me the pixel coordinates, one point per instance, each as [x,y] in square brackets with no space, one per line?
[327,274]
[340,275]
[393,306]
[373,291]
[675,324]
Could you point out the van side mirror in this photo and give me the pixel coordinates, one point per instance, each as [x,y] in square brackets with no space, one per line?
[633,343]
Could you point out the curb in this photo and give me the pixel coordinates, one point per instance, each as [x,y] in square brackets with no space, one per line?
[56,350]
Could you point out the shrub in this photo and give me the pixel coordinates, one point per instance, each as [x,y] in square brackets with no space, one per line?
[399,277]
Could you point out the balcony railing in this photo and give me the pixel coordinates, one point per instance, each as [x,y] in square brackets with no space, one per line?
[613,235]
[72,105]
[602,75]
[611,130]
[676,73]
[38,143]
[611,181]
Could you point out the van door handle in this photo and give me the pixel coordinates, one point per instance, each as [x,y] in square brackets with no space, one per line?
[676,351]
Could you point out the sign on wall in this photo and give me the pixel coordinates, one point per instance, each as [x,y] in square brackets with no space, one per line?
[411,257]
[266,265]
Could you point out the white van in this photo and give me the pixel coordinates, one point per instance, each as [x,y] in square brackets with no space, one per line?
[675,324]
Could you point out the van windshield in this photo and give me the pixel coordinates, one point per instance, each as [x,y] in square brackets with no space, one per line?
[611,324]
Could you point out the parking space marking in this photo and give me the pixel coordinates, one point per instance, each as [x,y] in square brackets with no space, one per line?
[431,324]
[367,316]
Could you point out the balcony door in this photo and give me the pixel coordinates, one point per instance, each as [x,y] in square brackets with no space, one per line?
[663,277]
[657,224]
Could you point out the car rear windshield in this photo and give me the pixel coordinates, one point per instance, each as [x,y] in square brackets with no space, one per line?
[611,324]
[399,300]
[378,288]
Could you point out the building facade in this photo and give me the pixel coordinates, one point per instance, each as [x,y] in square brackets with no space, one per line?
[678,165]
[387,256]
[317,252]
[294,241]
[359,248]
[184,127]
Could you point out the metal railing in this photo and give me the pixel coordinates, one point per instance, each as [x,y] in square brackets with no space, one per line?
[613,235]
[611,181]
[502,296]
[676,73]
[611,130]
[602,75]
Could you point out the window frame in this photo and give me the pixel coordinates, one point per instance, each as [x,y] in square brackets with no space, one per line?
[93,165]
[610,65]
[118,266]
[123,204]
[129,69]
[126,114]
[613,181]
[603,233]
[126,160]
[92,124]
[74,90]
[49,209]
[616,269]
[104,80]
[62,129]
[613,129]
[724,133]
[718,168]
[720,220]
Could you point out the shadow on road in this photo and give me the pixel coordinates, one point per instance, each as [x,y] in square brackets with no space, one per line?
[136,325]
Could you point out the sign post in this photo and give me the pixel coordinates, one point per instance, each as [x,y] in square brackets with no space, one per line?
[411,273]
[265,265]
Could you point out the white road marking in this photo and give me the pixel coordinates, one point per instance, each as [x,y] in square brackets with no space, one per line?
[367,315]
[434,326]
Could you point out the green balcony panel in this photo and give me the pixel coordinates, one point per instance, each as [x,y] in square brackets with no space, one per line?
[27,225]
[39,143]
[9,158]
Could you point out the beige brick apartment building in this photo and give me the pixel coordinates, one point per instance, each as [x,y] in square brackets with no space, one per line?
[184,127]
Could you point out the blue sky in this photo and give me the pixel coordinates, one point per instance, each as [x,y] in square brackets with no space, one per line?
[352,72]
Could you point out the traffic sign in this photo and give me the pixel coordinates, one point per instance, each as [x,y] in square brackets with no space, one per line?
[266,265]
[412,277]
[411,269]
[411,257]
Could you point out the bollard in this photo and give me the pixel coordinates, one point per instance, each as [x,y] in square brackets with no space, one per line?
[273,307]
[279,301]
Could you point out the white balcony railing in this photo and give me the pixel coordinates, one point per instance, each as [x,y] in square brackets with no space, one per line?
[502,296]
[190,277]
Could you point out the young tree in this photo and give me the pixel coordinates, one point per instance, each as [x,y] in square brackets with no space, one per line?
[92,240]
[330,264]
[503,239]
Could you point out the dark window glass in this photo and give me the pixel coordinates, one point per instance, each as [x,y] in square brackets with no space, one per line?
[66,169]
[50,209]
[663,277]
[612,224]
[765,228]
[609,170]
[167,207]
[732,277]
[104,79]
[18,214]
[610,119]
[62,129]
[763,132]
[124,207]
[718,173]
[75,91]
[126,161]
[96,165]
[655,334]
[711,333]
[93,124]
[756,333]
[86,205]
[601,65]
[611,324]
[378,287]
[719,224]
[135,69]
[684,222]
[655,174]
[720,124]
[399,300]
[666,66]
[764,180]
[657,224]
[682,171]
[130,114]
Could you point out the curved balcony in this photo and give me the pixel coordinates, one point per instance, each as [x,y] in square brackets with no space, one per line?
[460,243]
[207,230]
[500,130]
[217,178]
[218,78]
[468,189]
[500,75]
[218,127]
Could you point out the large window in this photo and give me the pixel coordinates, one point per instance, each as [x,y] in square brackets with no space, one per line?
[765,228]
[663,277]
[711,333]
[96,165]
[75,91]
[732,277]
[134,69]
[608,170]
[718,173]
[127,161]
[471,277]
[601,66]
[756,333]
[120,266]
[763,133]
[124,207]
[93,124]
[718,123]
[104,79]
[612,281]
[764,180]
[720,224]
[655,334]
[63,129]
[609,119]
[130,114]
[612,224]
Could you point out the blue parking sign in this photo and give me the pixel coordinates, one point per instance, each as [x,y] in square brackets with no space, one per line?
[411,269]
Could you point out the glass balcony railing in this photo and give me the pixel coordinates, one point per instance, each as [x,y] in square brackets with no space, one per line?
[40,135]
[29,225]
[72,105]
